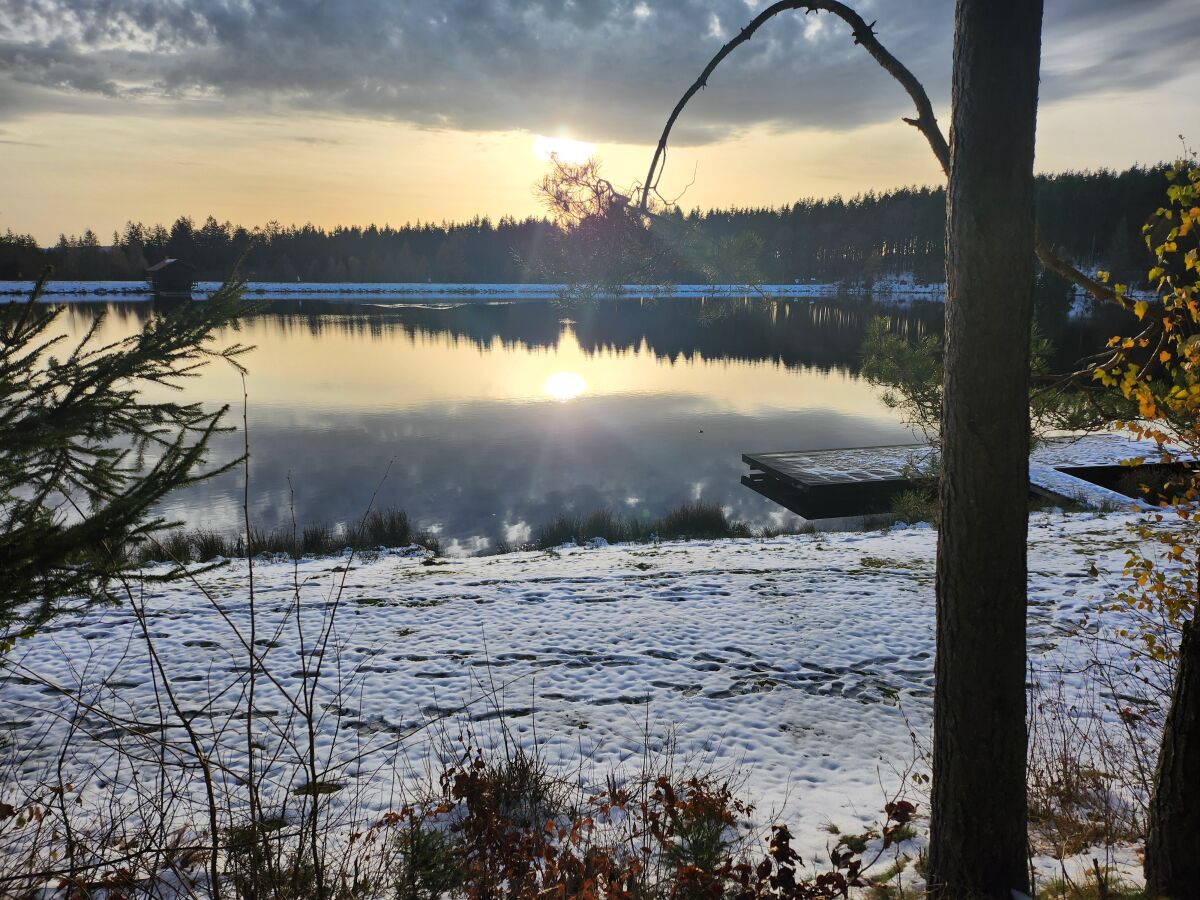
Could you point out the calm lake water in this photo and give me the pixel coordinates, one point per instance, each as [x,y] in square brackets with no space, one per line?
[484,421]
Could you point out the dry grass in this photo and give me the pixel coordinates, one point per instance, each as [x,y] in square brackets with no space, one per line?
[698,520]
[380,529]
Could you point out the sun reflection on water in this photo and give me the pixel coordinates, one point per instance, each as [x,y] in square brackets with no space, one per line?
[564,386]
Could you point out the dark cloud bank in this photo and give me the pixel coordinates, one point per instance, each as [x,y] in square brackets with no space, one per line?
[608,69]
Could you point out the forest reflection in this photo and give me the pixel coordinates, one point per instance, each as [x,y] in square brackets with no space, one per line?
[452,402]
[823,334]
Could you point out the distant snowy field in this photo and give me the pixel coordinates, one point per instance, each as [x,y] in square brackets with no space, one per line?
[900,289]
[898,286]
[807,661]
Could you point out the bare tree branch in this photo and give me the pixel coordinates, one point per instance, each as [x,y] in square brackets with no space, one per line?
[924,121]
[1055,263]
[864,34]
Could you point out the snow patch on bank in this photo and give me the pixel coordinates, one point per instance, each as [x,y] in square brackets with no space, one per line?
[805,660]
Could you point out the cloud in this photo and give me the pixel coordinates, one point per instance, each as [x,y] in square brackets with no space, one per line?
[1093,46]
[607,70]
[314,141]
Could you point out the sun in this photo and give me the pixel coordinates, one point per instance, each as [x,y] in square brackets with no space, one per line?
[566,149]
[564,386]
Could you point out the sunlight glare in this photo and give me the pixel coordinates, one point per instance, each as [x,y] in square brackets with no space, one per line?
[564,386]
[566,149]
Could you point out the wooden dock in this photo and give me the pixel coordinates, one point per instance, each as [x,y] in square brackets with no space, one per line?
[857,481]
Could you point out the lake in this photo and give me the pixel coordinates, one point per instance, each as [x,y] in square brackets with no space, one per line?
[485,420]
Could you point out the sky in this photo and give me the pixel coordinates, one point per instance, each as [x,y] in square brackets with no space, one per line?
[390,111]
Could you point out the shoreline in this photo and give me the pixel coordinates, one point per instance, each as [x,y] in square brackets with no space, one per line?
[897,286]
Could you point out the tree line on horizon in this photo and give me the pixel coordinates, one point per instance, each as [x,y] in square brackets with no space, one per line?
[1094,218]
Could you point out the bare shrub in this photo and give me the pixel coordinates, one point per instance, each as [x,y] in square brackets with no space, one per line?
[1094,729]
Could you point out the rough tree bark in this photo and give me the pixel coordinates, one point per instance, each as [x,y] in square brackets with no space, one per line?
[1172,866]
[978,841]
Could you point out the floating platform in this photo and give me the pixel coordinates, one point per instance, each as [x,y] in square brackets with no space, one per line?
[861,481]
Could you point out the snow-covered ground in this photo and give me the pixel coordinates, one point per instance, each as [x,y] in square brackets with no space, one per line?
[900,288]
[805,660]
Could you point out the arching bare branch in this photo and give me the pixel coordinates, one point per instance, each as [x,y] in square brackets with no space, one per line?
[864,35]
[924,121]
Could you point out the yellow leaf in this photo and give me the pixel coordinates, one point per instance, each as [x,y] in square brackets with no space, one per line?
[1140,308]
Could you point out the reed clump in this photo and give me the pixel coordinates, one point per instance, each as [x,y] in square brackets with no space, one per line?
[386,528]
[699,520]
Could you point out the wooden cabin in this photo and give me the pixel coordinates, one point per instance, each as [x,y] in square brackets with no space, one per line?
[171,279]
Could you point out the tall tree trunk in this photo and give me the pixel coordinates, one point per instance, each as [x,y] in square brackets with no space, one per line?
[978,837]
[1172,866]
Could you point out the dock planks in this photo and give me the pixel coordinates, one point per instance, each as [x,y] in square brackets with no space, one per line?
[861,480]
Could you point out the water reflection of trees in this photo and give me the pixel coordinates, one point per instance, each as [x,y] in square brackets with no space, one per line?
[824,334]
[816,334]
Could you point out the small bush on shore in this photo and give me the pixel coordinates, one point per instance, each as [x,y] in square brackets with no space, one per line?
[699,520]
[603,523]
[692,520]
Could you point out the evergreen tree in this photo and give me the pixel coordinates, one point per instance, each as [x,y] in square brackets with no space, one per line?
[1094,218]
[85,458]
